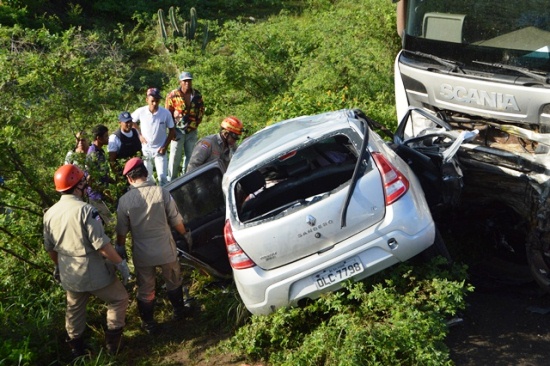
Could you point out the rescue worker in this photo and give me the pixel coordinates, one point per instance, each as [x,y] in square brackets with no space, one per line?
[84,260]
[149,212]
[221,145]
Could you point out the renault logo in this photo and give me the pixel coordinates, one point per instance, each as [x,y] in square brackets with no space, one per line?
[310,220]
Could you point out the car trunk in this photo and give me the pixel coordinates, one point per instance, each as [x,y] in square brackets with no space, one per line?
[298,200]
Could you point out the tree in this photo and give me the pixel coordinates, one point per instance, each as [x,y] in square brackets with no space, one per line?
[54,86]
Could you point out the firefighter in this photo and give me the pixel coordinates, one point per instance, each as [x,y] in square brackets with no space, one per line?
[149,213]
[221,145]
[85,260]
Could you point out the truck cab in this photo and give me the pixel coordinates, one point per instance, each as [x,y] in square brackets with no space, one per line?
[485,66]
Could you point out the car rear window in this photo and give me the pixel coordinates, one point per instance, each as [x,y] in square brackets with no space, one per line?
[289,180]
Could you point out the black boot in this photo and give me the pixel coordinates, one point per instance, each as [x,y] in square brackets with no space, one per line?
[113,340]
[146,313]
[176,298]
[77,347]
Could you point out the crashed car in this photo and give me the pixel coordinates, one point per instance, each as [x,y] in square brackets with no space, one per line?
[304,205]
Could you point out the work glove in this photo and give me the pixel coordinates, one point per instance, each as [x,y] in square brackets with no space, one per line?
[121,250]
[56,276]
[122,267]
[188,238]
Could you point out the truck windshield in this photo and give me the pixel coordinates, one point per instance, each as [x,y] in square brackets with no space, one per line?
[515,33]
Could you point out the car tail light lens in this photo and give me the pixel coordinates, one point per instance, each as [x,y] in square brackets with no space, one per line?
[395,183]
[237,258]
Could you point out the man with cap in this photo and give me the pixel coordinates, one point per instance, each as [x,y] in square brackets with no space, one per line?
[187,108]
[218,146]
[152,122]
[149,212]
[124,143]
[85,260]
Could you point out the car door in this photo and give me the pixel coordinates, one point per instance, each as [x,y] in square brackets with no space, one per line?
[200,200]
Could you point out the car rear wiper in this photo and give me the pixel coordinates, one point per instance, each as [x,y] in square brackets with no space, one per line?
[359,166]
[525,71]
[453,65]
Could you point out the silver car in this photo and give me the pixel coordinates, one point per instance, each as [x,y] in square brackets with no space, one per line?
[316,200]
[310,202]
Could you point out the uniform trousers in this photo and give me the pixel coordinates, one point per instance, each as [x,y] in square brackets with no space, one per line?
[114,295]
[146,279]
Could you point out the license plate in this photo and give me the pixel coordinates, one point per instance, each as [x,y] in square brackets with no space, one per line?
[338,273]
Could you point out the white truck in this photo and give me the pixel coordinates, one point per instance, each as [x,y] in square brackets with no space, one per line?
[485,65]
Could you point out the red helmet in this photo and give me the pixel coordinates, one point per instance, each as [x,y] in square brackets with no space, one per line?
[232,124]
[66,177]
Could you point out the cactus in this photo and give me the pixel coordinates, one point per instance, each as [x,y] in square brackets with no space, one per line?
[205,38]
[193,25]
[172,13]
[188,30]
[162,28]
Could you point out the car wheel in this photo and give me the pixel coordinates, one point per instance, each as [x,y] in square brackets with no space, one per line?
[438,248]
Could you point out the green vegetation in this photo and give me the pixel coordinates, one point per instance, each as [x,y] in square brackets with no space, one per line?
[70,67]
[398,317]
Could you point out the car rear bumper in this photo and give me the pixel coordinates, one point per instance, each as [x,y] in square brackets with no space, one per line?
[286,285]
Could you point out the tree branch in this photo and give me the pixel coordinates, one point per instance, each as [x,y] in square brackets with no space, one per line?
[12,236]
[46,201]
[25,260]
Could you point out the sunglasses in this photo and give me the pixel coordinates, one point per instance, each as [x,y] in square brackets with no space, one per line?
[234,136]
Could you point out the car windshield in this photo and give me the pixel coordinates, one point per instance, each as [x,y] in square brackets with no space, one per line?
[295,178]
[509,33]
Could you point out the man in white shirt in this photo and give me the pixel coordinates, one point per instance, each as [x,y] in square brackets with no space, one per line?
[153,121]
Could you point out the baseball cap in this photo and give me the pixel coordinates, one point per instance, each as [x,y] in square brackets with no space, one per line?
[124,117]
[186,75]
[131,165]
[154,92]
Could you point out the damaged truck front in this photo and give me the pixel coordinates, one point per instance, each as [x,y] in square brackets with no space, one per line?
[484,65]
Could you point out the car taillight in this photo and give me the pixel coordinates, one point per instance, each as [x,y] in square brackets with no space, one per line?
[237,258]
[395,183]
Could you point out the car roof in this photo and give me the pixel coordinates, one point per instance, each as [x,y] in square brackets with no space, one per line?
[283,137]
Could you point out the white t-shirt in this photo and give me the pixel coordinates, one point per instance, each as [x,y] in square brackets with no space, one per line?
[114,141]
[153,126]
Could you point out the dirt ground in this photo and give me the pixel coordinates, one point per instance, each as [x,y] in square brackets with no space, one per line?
[507,321]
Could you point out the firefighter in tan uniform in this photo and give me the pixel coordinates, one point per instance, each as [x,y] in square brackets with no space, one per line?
[149,212]
[217,146]
[85,260]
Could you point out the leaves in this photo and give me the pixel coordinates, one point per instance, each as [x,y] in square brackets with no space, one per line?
[394,318]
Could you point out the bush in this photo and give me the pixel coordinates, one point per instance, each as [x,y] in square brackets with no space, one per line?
[397,317]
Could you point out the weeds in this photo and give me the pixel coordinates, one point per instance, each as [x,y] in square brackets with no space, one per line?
[396,317]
